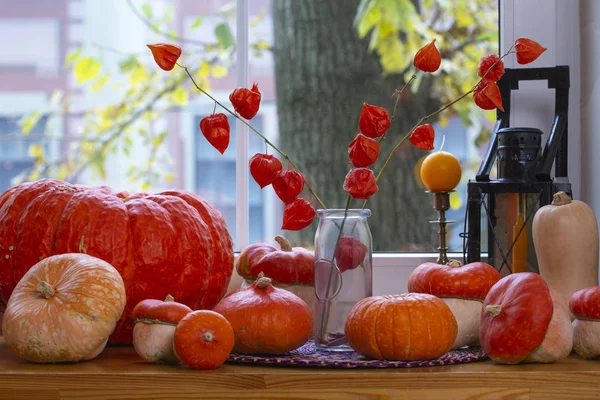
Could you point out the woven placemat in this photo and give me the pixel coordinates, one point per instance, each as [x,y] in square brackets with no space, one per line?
[309,356]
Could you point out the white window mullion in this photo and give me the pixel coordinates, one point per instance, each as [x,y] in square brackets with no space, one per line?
[242,221]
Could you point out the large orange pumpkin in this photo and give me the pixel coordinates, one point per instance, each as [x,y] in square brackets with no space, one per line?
[64,309]
[168,243]
[413,326]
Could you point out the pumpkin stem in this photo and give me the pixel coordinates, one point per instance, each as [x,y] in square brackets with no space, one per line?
[454,264]
[82,248]
[169,298]
[208,337]
[262,282]
[494,309]
[560,199]
[45,289]
[283,243]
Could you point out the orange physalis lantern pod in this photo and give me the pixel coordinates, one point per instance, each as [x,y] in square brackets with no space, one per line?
[374,121]
[246,102]
[485,64]
[215,129]
[288,185]
[165,55]
[487,95]
[527,50]
[360,183]
[350,253]
[422,137]
[363,151]
[297,215]
[263,168]
[428,58]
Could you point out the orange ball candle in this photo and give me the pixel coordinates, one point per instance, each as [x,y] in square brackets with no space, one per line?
[440,171]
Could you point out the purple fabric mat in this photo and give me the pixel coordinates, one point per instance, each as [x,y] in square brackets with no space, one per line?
[309,356]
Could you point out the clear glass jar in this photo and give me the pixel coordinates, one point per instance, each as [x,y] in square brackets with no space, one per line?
[343,276]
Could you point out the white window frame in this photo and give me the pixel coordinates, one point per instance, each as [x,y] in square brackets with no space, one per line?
[555,23]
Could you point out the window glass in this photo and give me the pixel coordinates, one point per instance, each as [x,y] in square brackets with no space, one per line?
[81,99]
[324,62]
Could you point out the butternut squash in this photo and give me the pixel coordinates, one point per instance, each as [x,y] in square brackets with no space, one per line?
[565,236]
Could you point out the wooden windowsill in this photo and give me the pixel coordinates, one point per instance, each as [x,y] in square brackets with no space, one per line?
[119,373]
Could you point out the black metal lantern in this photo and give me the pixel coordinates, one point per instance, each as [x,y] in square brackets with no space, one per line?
[524,180]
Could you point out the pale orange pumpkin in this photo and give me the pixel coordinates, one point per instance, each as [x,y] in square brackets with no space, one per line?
[265,319]
[64,309]
[404,327]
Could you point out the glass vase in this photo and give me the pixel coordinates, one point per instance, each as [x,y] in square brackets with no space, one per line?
[343,272]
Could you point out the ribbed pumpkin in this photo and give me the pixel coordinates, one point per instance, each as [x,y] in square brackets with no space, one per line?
[64,309]
[404,327]
[169,243]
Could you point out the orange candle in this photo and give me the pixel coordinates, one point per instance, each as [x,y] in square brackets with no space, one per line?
[440,171]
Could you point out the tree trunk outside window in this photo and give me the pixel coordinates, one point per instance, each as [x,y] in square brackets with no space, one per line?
[324,73]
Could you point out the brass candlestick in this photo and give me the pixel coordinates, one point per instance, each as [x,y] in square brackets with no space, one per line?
[441,203]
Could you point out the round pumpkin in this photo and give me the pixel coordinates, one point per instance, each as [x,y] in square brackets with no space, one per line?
[154,329]
[265,319]
[523,320]
[64,309]
[203,339]
[289,268]
[462,287]
[412,326]
[585,307]
[172,242]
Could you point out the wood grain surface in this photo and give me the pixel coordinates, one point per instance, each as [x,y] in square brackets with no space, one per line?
[118,373]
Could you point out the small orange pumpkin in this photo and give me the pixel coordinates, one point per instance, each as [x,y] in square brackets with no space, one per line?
[155,323]
[412,326]
[64,309]
[203,339]
[265,319]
